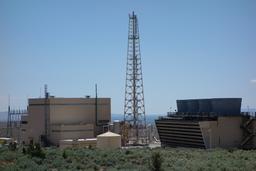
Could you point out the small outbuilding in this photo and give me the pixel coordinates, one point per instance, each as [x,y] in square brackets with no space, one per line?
[89,142]
[109,140]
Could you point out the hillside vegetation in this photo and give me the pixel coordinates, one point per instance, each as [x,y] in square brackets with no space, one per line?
[128,159]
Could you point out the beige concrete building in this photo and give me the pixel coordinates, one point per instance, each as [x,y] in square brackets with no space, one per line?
[54,119]
[208,123]
[219,132]
[225,132]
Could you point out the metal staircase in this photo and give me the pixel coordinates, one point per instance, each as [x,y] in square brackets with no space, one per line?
[248,134]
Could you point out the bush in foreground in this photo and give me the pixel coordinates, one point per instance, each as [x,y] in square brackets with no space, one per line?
[156,161]
[34,150]
[129,159]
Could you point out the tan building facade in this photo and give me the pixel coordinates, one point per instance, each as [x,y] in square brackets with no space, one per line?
[56,119]
[221,132]
[225,132]
[208,123]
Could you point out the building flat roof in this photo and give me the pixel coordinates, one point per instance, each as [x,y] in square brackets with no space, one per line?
[68,101]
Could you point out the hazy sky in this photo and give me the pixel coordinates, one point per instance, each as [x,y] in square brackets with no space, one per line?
[189,49]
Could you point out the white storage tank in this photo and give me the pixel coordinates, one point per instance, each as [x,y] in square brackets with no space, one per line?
[109,140]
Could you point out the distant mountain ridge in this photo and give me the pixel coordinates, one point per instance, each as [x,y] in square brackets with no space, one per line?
[149,118]
[3,116]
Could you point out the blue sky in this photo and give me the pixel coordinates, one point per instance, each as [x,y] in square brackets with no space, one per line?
[190,49]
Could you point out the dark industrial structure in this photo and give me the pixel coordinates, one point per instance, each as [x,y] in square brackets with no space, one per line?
[134,108]
[210,107]
[208,123]
[14,122]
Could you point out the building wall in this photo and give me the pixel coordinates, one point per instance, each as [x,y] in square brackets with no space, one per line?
[77,112]
[62,132]
[36,123]
[63,111]
[81,143]
[24,128]
[224,133]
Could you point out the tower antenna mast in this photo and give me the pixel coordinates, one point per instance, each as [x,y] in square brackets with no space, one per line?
[134,108]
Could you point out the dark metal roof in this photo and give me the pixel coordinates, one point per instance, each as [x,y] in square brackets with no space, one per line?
[218,106]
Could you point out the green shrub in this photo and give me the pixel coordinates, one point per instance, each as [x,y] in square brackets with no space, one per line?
[127,152]
[156,161]
[24,151]
[34,150]
[12,146]
[9,156]
[126,159]
[64,154]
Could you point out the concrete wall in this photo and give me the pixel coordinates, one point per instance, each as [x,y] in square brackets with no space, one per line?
[77,112]
[82,143]
[63,111]
[24,127]
[36,123]
[62,132]
[224,133]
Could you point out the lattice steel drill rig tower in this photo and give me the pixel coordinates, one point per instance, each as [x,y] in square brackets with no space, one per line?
[134,108]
